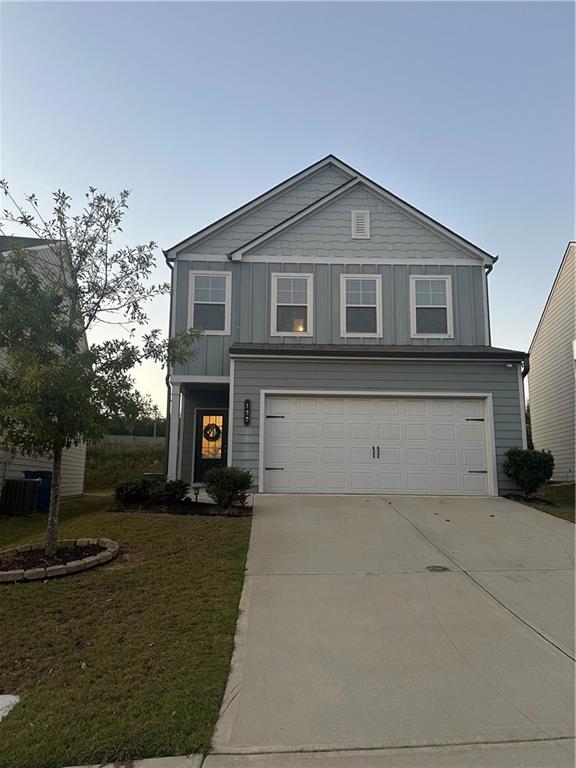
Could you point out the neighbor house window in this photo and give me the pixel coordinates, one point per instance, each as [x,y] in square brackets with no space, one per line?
[291,305]
[210,302]
[431,307]
[360,305]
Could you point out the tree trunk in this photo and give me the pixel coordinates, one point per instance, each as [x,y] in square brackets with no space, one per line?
[54,509]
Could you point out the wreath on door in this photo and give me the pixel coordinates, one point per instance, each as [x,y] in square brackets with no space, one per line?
[212,432]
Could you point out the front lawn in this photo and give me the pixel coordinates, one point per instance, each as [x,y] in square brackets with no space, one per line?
[562,497]
[128,660]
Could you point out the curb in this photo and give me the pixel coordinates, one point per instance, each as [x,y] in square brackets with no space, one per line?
[185,761]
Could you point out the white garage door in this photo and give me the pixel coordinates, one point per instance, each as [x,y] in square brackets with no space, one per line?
[375,445]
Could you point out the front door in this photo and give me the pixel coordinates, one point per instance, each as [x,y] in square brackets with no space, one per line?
[211,445]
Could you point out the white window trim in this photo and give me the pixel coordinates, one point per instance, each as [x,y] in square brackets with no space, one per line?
[359,276]
[354,234]
[309,304]
[227,303]
[449,311]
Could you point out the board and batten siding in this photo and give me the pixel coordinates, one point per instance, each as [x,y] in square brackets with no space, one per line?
[251,306]
[73,468]
[270,213]
[253,375]
[551,379]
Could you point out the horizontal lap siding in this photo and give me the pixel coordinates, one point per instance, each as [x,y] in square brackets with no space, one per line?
[551,379]
[73,468]
[253,375]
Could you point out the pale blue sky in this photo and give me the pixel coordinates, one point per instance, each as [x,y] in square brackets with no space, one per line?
[464,109]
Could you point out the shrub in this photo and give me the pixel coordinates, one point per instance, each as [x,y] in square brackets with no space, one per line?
[167,491]
[133,491]
[228,485]
[151,491]
[528,468]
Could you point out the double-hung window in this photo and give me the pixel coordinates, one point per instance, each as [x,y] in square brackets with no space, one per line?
[431,307]
[360,305]
[210,302]
[291,304]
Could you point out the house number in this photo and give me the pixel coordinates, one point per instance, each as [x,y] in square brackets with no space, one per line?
[246,412]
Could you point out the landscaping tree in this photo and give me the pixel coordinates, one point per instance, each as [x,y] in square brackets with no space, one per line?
[56,389]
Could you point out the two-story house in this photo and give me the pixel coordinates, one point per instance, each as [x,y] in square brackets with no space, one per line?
[346,347]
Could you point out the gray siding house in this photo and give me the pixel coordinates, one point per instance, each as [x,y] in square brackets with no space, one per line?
[346,347]
[551,379]
[13,465]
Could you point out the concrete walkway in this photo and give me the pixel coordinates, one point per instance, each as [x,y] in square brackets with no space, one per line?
[350,652]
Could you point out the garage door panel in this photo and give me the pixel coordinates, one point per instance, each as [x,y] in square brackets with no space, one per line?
[325,445]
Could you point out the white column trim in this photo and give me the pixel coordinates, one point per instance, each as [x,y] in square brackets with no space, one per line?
[230,412]
[174,442]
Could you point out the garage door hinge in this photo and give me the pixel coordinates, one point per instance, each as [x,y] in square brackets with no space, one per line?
[477,472]
[274,417]
[275,469]
[474,419]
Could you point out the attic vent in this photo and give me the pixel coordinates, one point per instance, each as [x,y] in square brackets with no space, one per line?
[361,225]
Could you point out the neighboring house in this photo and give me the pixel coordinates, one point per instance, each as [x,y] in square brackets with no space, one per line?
[346,347]
[551,380]
[12,466]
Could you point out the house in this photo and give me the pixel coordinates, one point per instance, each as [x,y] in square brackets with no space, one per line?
[346,347]
[551,379]
[13,466]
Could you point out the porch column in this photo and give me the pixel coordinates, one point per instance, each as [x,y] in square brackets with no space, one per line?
[174,441]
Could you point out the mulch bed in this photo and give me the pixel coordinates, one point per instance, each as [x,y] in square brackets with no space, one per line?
[37,558]
[189,507]
[531,500]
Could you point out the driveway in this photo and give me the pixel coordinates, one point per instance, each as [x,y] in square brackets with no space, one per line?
[350,651]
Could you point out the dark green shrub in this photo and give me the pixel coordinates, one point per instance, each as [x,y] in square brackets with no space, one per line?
[133,491]
[227,486]
[167,491]
[529,469]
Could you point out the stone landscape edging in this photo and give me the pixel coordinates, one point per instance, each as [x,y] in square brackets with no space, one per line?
[110,551]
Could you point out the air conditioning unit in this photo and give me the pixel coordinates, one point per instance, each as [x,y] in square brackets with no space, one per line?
[19,497]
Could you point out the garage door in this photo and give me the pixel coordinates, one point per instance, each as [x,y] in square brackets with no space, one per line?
[375,445]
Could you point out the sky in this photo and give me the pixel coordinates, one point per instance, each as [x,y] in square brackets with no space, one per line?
[464,109]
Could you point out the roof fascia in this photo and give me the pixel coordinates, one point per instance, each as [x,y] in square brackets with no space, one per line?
[172,252]
[330,197]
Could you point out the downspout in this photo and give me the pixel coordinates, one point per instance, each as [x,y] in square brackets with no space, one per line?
[489,268]
[168,398]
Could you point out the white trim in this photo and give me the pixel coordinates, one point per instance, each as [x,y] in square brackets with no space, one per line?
[522,395]
[354,216]
[491,466]
[230,413]
[449,308]
[340,358]
[485,308]
[238,253]
[343,305]
[343,260]
[309,277]
[174,439]
[186,379]
[193,274]
[271,193]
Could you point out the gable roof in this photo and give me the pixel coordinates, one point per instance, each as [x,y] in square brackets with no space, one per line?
[9,242]
[570,249]
[355,178]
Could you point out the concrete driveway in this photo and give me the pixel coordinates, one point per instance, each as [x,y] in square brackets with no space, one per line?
[350,651]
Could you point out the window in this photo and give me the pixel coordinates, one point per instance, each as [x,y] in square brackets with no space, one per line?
[210,302]
[360,225]
[431,307]
[360,306]
[291,305]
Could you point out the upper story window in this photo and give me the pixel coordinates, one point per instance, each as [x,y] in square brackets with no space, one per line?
[360,305]
[209,308]
[431,307]
[291,305]
[360,225]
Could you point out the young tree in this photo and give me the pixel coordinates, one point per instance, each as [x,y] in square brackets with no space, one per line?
[56,389]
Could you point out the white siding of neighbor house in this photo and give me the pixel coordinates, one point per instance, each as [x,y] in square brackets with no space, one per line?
[551,379]
[73,467]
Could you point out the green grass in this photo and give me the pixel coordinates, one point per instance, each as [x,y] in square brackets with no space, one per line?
[128,660]
[107,466]
[562,496]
